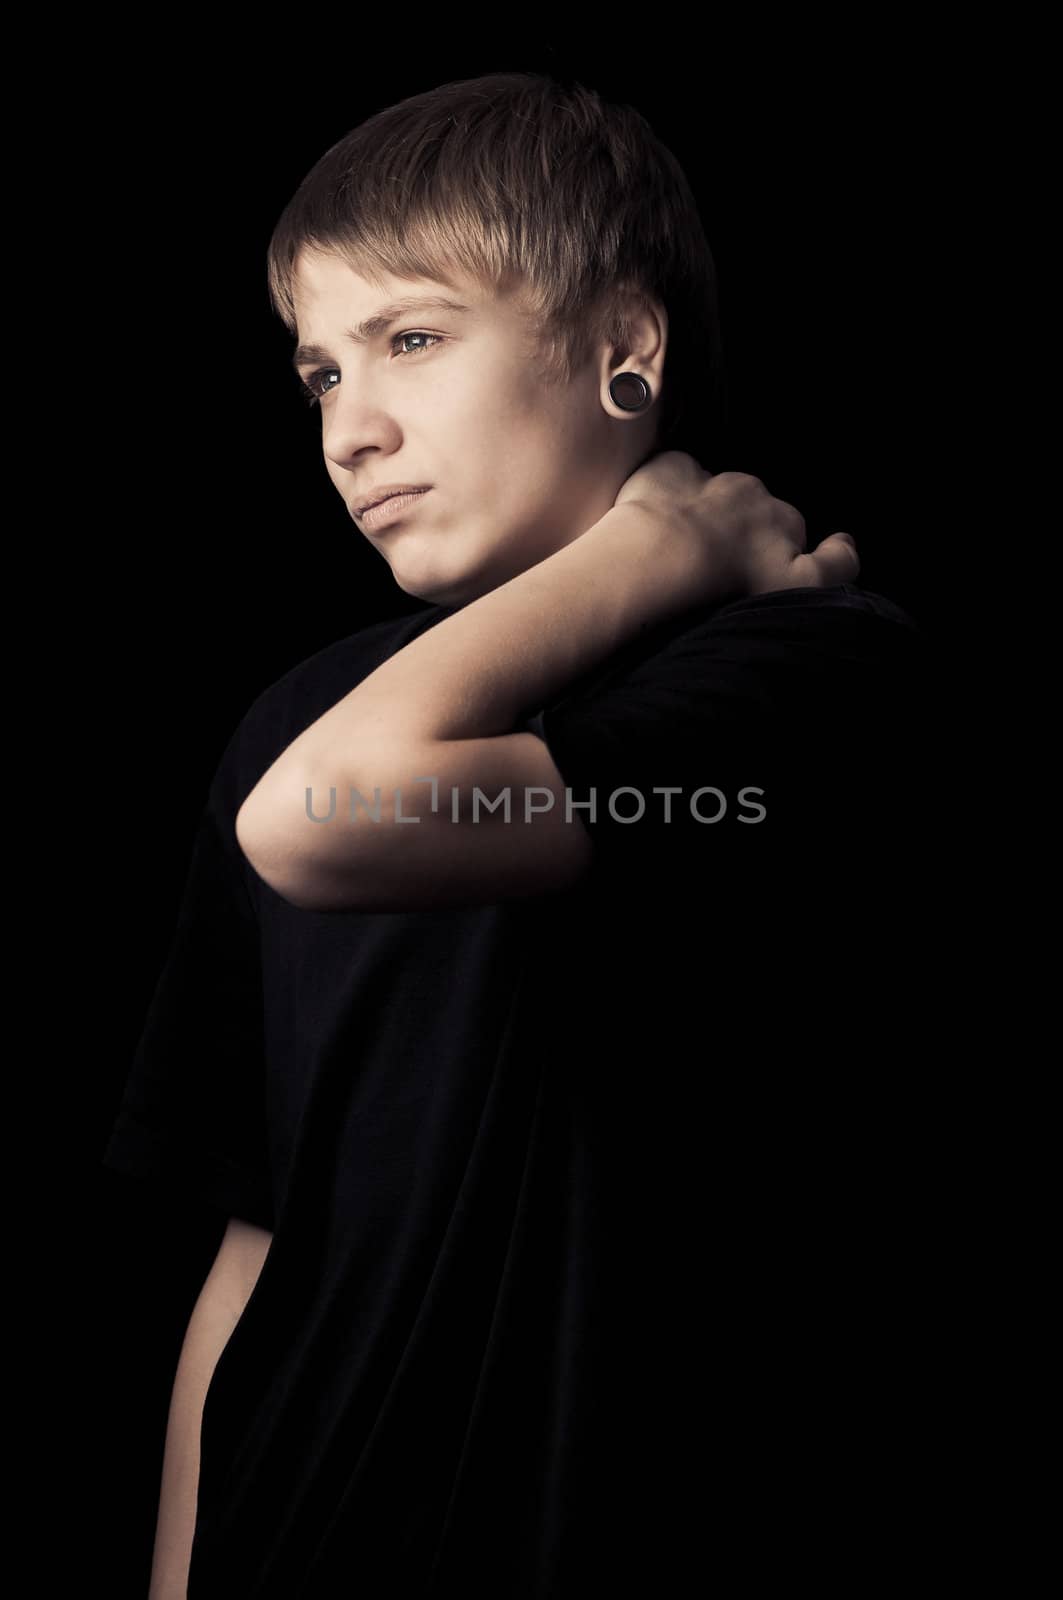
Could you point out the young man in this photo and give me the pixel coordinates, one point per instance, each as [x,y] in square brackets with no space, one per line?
[499,1017]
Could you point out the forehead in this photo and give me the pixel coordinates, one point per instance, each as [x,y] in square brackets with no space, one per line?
[323,282]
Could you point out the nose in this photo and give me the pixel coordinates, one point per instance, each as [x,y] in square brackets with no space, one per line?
[352,421]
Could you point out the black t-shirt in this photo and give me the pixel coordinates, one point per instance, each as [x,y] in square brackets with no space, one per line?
[589,1209]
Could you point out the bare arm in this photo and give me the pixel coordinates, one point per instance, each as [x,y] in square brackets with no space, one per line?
[435,721]
[442,707]
[225,1292]
[511,649]
[677,537]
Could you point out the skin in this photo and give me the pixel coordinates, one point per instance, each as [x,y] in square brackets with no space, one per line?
[519,466]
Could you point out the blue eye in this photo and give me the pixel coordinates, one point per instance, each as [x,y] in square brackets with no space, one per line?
[312,394]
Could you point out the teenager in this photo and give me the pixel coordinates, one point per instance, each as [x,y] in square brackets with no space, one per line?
[524,1108]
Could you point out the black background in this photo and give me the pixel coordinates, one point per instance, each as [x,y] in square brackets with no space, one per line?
[825,170]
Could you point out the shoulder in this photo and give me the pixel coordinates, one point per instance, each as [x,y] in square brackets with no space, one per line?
[793,650]
[801,690]
[842,599]
[833,643]
[844,620]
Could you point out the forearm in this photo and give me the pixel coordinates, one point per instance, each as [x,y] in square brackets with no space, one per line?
[209,1327]
[505,654]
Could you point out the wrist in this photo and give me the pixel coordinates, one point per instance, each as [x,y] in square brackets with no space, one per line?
[659,557]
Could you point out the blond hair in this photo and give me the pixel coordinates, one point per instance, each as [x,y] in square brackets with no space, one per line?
[522,182]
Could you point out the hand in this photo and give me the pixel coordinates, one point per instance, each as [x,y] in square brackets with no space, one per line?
[751,542]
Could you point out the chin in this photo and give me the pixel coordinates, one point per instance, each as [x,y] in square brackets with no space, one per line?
[440,588]
[436,592]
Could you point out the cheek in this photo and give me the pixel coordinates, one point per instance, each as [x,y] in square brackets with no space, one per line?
[517,477]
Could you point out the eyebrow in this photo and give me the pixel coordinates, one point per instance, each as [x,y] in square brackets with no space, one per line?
[379,323]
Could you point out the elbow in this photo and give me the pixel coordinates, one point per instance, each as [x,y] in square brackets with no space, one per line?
[278,843]
[309,860]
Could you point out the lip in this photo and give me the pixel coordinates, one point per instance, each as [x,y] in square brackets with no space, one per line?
[385,491]
[386,511]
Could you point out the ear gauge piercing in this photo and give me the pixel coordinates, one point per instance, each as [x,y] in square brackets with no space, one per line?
[629,391]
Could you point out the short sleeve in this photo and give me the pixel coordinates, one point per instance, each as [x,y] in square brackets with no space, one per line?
[773,725]
[193,1115]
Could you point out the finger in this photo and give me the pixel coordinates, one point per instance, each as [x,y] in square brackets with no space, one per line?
[836,559]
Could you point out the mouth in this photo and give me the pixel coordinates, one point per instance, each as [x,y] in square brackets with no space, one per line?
[386,511]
